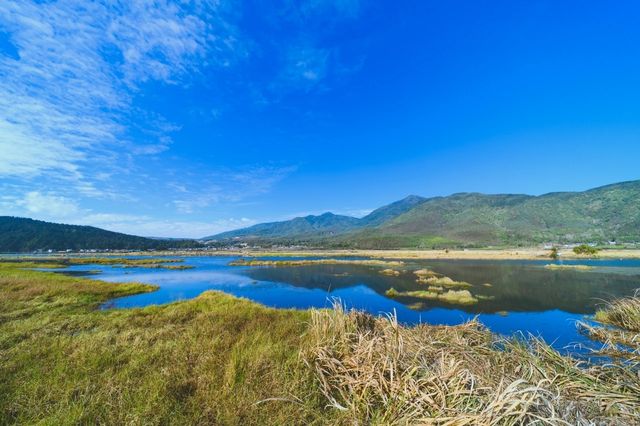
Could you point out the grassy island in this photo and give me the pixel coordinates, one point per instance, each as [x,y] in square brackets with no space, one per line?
[557,267]
[304,262]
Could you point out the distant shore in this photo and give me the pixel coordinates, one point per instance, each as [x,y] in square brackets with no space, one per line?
[468,254]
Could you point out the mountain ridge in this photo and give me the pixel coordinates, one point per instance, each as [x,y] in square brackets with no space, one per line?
[474,219]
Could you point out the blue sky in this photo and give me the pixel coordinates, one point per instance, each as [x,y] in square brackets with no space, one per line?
[190,118]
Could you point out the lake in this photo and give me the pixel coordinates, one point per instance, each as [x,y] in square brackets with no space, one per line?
[513,295]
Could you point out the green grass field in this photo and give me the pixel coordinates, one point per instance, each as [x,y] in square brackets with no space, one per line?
[218,359]
[207,360]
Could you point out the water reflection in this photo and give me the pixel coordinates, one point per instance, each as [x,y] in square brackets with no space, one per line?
[502,286]
[522,296]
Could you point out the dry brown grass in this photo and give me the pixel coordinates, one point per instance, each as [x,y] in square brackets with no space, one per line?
[623,313]
[621,333]
[376,371]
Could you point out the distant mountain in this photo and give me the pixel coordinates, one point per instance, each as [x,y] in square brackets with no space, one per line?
[316,227]
[324,225]
[23,235]
[607,213]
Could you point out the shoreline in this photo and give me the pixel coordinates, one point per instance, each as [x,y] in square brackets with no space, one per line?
[468,254]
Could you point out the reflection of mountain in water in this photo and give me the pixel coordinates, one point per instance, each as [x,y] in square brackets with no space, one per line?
[514,287]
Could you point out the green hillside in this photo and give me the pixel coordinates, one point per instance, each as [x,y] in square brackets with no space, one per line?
[470,219]
[598,215]
[22,235]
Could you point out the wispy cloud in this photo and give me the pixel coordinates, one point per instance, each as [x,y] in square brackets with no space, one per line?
[228,186]
[153,227]
[50,205]
[66,98]
[306,66]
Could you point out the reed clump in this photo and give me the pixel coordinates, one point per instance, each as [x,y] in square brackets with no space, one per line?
[376,371]
[620,332]
[623,313]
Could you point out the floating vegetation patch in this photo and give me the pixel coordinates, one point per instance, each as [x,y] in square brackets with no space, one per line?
[425,273]
[390,272]
[442,282]
[116,261]
[432,278]
[159,266]
[366,262]
[145,262]
[456,297]
[554,266]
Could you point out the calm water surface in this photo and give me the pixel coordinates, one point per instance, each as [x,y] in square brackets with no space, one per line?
[523,296]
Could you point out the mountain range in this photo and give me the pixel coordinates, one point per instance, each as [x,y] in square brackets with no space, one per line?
[602,214]
[598,215]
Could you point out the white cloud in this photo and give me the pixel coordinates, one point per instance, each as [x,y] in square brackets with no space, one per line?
[153,227]
[48,205]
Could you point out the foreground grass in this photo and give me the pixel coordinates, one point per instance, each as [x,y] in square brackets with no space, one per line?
[208,360]
[380,372]
[217,359]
